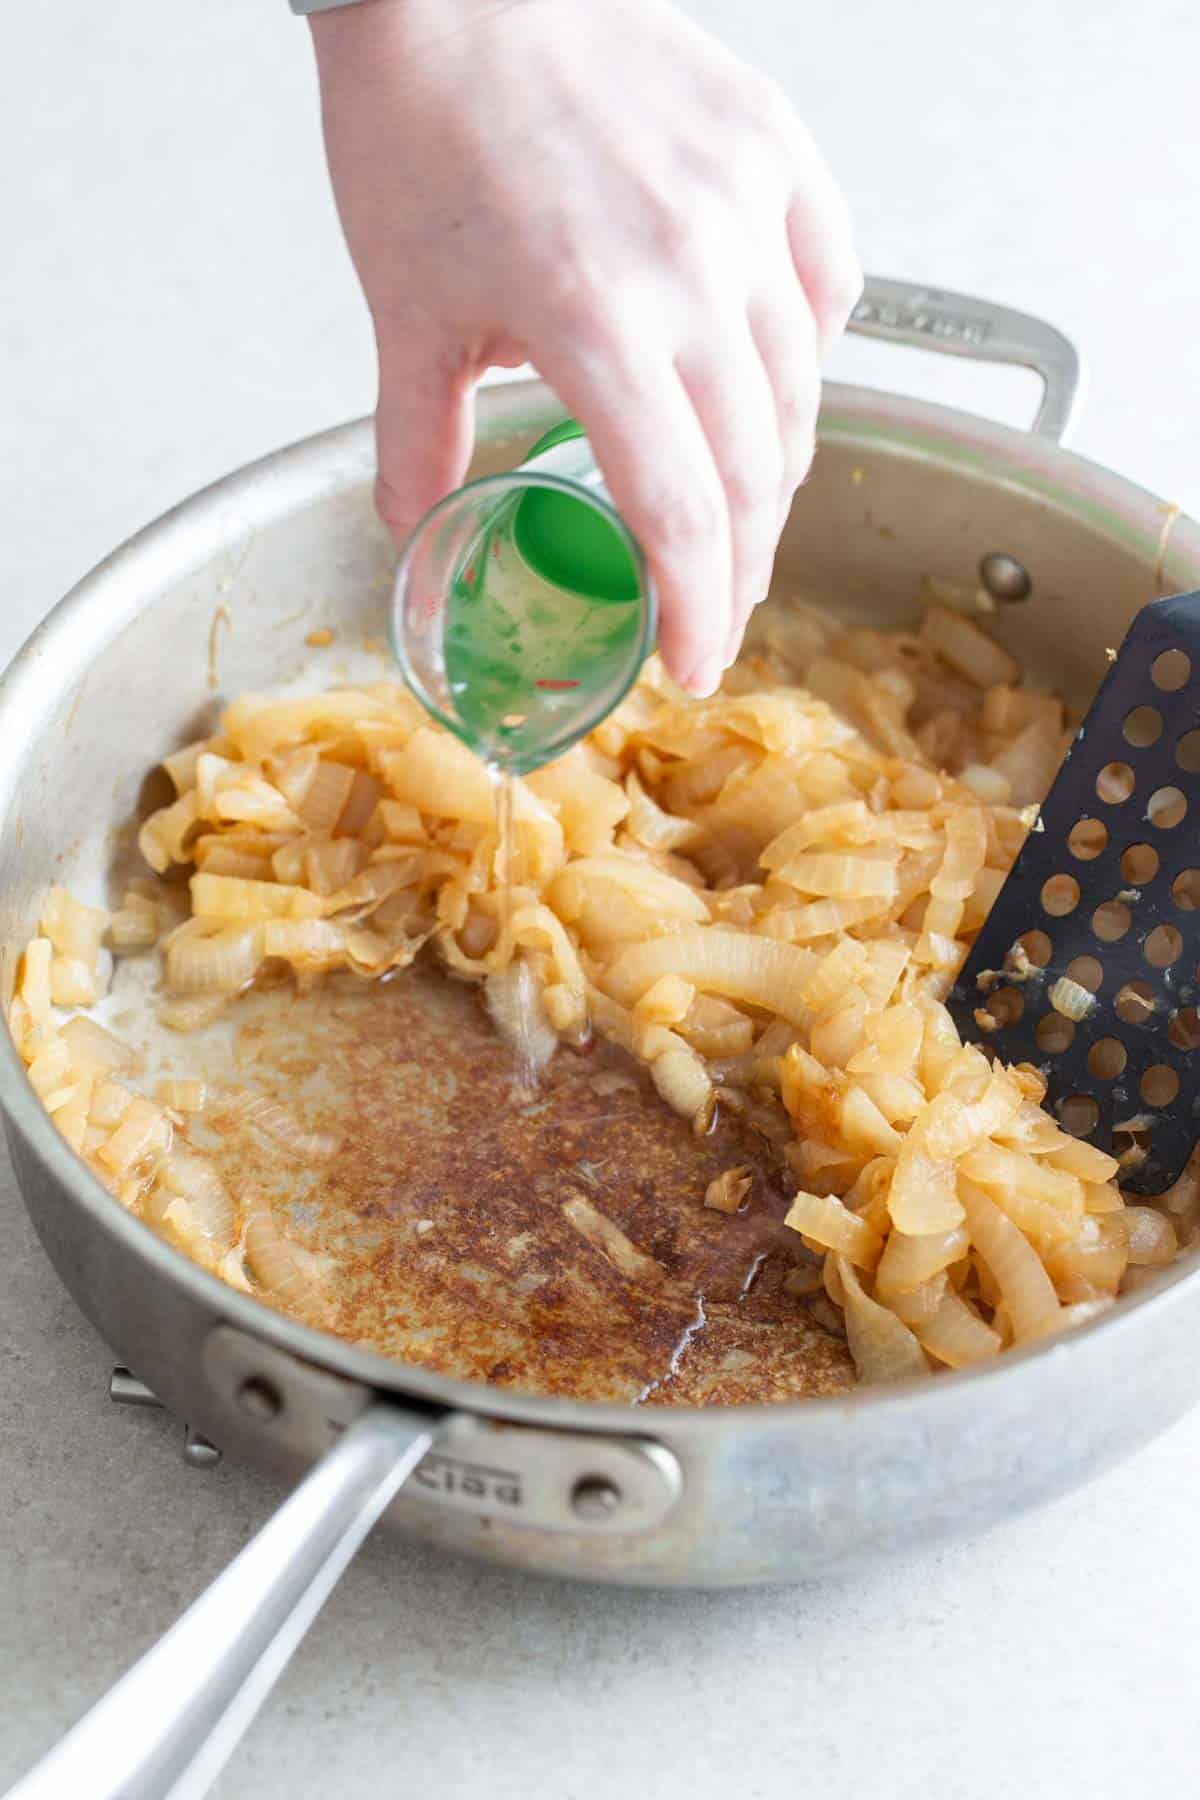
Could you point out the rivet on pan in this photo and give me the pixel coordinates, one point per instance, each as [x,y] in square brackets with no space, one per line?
[595,1497]
[1004,577]
[198,1452]
[127,1390]
[260,1399]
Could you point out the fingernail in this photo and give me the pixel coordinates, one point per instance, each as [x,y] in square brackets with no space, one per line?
[733,644]
[705,678]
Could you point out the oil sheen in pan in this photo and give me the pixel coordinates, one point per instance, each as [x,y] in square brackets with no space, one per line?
[379,1123]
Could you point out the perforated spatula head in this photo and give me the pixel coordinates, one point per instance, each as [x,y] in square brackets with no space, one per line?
[1087,963]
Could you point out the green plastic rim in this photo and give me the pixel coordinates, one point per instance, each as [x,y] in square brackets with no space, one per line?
[567,542]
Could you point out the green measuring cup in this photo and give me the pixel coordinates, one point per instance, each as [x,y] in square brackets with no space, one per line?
[523,606]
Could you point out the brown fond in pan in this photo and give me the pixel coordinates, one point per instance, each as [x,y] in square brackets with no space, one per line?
[443,1204]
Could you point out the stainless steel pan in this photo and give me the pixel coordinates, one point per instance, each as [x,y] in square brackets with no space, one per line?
[118,675]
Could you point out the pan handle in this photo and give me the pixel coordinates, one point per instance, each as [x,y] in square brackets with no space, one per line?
[166,1730]
[959,325]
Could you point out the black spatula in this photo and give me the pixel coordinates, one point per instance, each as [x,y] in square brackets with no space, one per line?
[1087,963]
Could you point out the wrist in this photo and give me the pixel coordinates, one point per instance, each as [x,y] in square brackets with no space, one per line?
[330,16]
[327,18]
[360,38]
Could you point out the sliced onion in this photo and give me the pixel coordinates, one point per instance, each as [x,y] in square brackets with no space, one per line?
[726,1191]
[956,1335]
[883,1348]
[1091,1263]
[918,1305]
[1150,1236]
[165,836]
[74,930]
[195,1179]
[651,825]
[720,961]
[828,875]
[195,1012]
[968,650]
[325,795]
[908,1262]
[597,1229]
[682,1080]
[213,963]
[34,984]
[300,1280]
[827,980]
[519,1016]
[143,1136]
[284,1129]
[1025,1288]
[228,899]
[589,806]
[828,1222]
[51,1069]
[95,1049]
[923,1198]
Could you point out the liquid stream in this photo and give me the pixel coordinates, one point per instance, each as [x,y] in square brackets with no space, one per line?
[512,994]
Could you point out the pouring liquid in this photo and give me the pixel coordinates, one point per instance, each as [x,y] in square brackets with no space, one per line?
[542,634]
[523,656]
[512,993]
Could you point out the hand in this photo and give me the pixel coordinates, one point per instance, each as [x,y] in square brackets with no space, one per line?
[599,188]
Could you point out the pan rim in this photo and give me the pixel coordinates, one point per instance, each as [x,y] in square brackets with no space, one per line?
[99,607]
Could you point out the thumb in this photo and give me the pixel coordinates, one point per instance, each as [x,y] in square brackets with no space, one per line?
[424,431]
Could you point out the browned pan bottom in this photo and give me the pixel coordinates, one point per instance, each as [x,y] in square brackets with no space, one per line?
[441,1209]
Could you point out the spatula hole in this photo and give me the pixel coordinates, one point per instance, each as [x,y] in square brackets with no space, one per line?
[1087,839]
[1111,920]
[1185,890]
[1060,896]
[1142,727]
[1037,947]
[1107,1059]
[1079,1115]
[1187,752]
[1159,1085]
[1170,671]
[1055,1034]
[1114,783]
[1003,1008]
[1184,1028]
[1163,947]
[1087,972]
[1139,864]
[1135,1004]
[1167,808]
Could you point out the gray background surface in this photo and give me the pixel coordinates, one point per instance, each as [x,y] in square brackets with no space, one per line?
[175,300]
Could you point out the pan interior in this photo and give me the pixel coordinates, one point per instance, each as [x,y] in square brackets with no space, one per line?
[188,626]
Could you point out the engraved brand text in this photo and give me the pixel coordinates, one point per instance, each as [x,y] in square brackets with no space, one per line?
[923,315]
[471,1484]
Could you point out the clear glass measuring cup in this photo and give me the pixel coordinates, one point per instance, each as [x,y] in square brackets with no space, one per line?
[524,607]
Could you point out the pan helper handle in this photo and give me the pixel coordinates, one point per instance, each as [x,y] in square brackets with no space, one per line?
[924,318]
[168,1727]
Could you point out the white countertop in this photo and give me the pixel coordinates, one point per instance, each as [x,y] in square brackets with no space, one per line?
[176,303]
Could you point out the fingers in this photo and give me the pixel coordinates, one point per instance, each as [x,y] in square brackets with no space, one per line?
[785,334]
[728,385]
[824,257]
[661,473]
[821,236]
[424,430]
